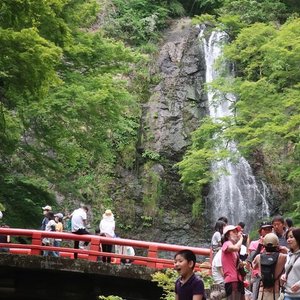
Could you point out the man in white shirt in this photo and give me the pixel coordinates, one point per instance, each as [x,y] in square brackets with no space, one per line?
[218,288]
[78,223]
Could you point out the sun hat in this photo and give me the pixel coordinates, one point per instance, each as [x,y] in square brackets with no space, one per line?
[108,213]
[47,207]
[230,228]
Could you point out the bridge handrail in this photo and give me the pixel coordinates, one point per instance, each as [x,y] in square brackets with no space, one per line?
[152,260]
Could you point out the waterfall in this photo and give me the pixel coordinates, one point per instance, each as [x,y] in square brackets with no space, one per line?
[235,192]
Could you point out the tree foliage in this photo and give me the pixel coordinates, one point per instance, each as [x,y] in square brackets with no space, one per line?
[266,112]
[67,110]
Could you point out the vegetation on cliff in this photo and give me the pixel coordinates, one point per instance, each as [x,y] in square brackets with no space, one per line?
[73,74]
[265,123]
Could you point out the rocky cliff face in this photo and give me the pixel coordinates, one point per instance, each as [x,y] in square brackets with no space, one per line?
[153,197]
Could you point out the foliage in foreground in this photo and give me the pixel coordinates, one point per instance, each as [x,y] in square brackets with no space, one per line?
[166,280]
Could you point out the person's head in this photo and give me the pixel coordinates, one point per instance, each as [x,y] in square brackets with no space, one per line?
[265,228]
[289,222]
[50,215]
[231,233]
[271,242]
[242,225]
[84,206]
[293,239]
[224,219]
[46,209]
[184,262]
[278,225]
[219,226]
[58,217]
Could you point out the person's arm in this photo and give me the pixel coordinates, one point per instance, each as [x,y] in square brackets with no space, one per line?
[197,297]
[248,242]
[176,297]
[235,247]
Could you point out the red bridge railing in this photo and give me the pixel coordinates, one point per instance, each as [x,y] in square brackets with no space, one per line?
[152,250]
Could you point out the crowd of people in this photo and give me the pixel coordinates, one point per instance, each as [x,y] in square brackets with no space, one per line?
[265,269]
[76,222]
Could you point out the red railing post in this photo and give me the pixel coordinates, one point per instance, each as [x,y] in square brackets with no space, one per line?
[152,252]
[36,240]
[95,243]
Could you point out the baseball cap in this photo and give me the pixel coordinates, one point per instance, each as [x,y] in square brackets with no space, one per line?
[265,224]
[230,228]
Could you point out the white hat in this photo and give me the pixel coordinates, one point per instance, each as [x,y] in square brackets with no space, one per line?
[47,207]
[229,228]
[59,215]
[1,214]
[108,213]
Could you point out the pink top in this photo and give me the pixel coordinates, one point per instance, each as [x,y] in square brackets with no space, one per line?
[252,247]
[229,263]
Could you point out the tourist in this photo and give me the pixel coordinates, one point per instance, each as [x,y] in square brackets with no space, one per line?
[288,223]
[291,277]
[125,250]
[59,228]
[217,288]
[216,243]
[233,240]
[107,229]
[188,286]
[268,288]
[256,247]
[279,230]
[50,226]
[245,244]
[5,239]
[78,224]
[45,220]
[223,219]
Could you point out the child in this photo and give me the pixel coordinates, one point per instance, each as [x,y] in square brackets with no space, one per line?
[188,286]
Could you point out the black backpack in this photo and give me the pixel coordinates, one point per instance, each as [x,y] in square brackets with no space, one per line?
[267,266]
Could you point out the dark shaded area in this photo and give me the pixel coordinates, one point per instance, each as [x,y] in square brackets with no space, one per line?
[86,281]
[23,203]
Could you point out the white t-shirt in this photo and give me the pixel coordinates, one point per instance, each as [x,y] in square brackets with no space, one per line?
[216,239]
[215,268]
[49,225]
[78,218]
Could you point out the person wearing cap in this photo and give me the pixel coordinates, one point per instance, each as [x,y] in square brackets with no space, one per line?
[233,240]
[78,224]
[107,228]
[45,220]
[256,247]
[271,245]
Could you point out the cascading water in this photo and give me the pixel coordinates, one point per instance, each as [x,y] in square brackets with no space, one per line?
[234,193]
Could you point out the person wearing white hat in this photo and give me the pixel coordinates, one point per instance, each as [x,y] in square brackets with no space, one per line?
[107,228]
[45,220]
[233,240]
